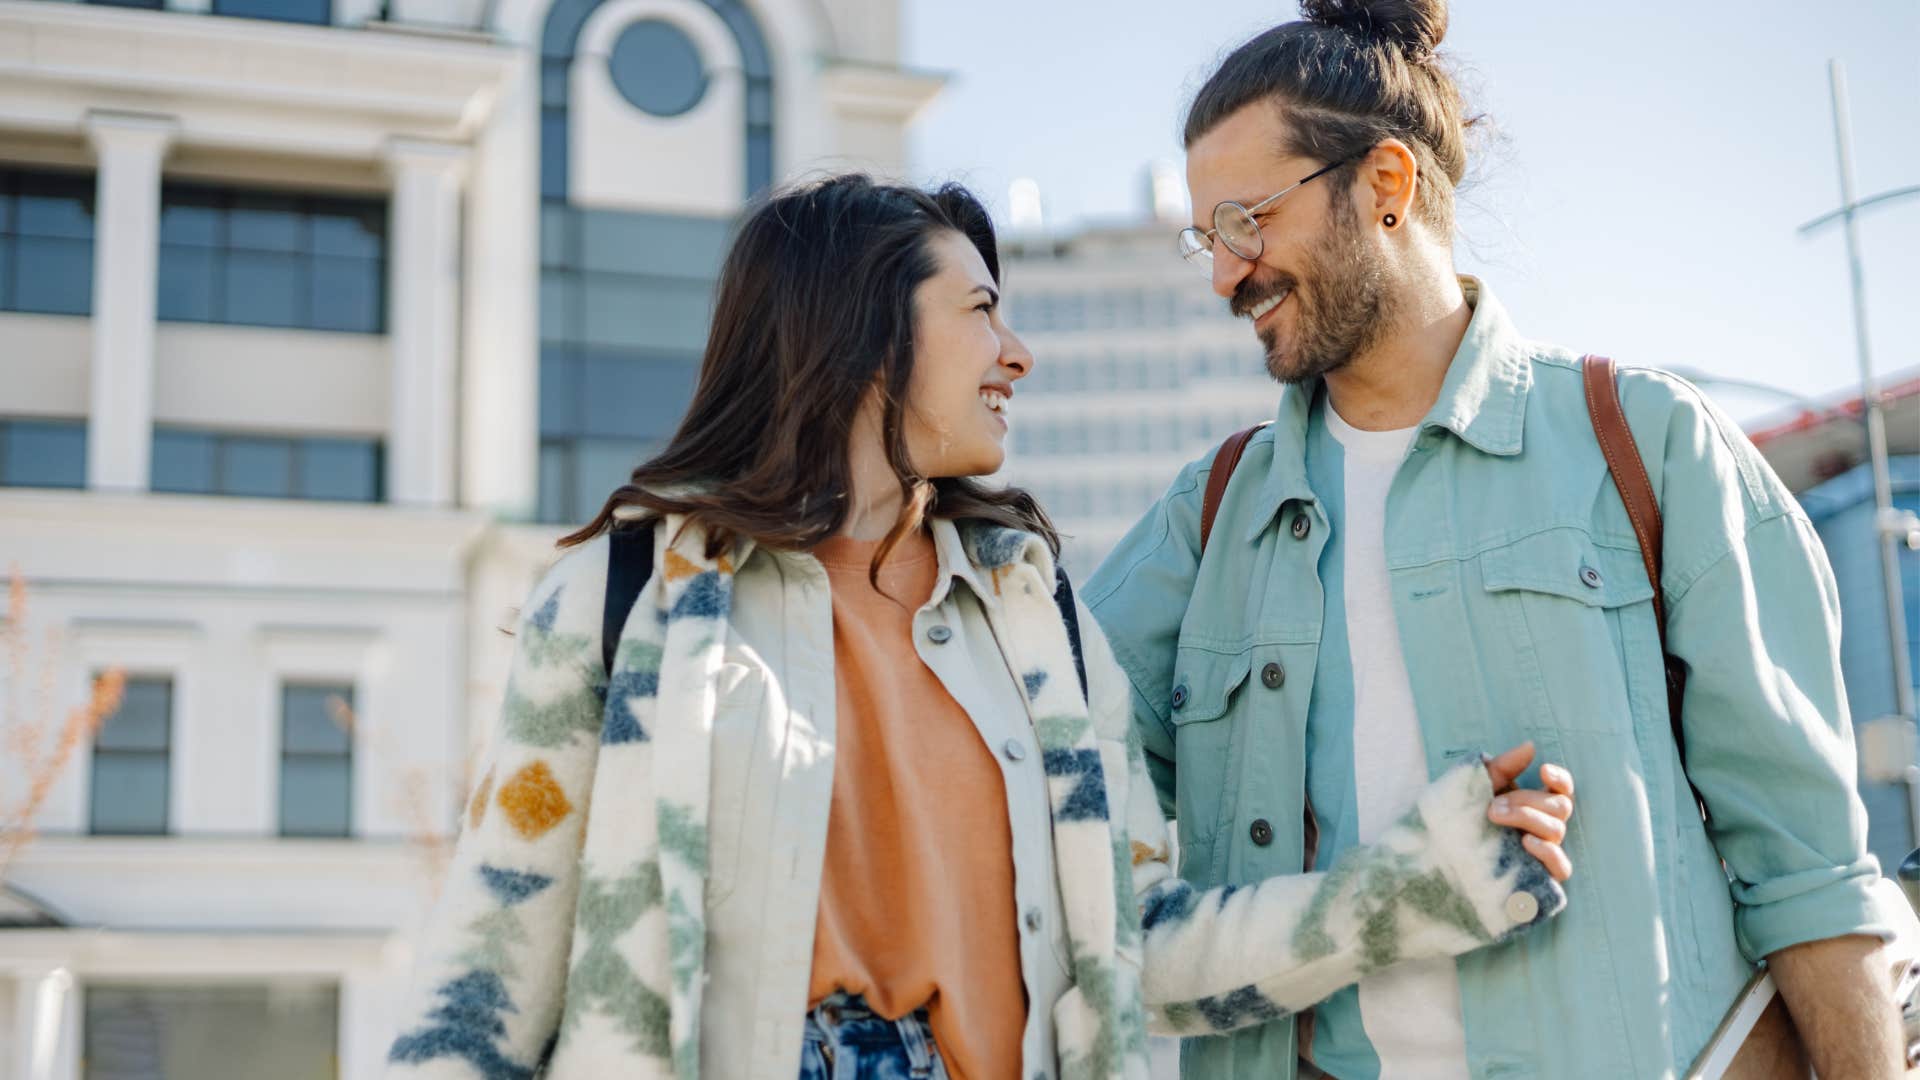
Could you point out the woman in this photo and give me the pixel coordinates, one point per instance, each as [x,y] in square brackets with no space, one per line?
[842,806]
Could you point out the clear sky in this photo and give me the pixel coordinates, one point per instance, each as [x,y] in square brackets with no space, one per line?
[1639,197]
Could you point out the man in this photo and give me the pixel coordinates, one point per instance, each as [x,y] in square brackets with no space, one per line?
[1424,556]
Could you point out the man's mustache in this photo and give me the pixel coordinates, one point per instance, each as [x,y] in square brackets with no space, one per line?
[1252,294]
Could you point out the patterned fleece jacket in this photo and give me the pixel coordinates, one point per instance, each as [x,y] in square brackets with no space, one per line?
[570,940]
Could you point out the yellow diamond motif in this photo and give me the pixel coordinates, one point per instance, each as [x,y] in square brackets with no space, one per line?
[534,801]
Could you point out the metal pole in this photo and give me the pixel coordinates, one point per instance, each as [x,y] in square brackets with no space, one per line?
[1876,431]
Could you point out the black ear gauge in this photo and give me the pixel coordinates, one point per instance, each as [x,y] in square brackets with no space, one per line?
[1390,221]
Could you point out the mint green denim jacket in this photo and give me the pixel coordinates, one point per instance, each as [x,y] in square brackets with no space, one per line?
[1525,612]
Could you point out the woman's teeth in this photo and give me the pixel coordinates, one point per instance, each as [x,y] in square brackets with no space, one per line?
[995,400]
[1260,310]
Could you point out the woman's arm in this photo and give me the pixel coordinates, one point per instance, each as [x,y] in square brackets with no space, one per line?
[491,962]
[1443,881]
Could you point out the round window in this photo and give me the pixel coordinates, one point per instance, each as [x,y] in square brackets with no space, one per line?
[657,68]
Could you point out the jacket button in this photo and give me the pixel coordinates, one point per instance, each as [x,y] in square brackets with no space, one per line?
[1274,676]
[1015,750]
[1262,834]
[940,635]
[1522,908]
[1301,526]
[1180,695]
[1033,919]
[1590,577]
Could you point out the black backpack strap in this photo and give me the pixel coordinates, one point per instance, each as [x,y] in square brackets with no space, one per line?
[1070,614]
[629,565]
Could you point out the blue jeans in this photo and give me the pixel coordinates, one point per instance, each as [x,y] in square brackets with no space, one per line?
[845,1040]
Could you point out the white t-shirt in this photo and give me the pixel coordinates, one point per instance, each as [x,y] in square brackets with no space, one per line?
[1412,1011]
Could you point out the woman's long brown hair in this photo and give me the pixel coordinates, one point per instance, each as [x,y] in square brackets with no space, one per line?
[815,308]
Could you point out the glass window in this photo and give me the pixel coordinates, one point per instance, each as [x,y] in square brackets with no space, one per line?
[318,12]
[657,68]
[186,291]
[345,294]
[346,470]
[259,467]
[43,453]
[264,258]
[183,461]
[210,1031]
[316,759]
[265,466]
[46,242]
[624,395]
[131,757]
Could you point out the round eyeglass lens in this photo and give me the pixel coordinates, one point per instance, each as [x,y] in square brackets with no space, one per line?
[1237,227]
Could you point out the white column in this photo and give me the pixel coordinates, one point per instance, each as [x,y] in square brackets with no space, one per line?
[423,320]
[126,240]
[500,384]
[46,1024]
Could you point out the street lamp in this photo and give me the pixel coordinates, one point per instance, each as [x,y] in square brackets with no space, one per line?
[1889,524]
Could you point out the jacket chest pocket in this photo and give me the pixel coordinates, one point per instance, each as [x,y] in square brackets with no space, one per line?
[1576,615]
[744,773]
[1207,693]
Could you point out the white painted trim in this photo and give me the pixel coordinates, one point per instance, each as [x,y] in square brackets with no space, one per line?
[253,84]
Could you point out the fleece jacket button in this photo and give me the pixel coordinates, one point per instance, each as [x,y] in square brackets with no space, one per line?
[1522,907]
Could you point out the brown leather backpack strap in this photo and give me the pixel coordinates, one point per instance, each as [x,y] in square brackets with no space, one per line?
[1225,460]
[1643,510]
[1629,473]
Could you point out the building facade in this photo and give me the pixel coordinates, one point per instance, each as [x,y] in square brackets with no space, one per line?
[1138,370]
[318,318]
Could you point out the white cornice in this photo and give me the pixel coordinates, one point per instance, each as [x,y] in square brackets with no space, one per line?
[82,539]
[244,82]
[893,92]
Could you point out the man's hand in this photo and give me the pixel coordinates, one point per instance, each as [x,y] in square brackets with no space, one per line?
[1540,816]
[1840,995]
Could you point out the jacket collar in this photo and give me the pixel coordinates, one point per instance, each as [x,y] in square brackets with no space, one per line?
[1482,402]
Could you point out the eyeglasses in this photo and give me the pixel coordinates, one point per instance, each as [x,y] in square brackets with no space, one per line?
[1238,226]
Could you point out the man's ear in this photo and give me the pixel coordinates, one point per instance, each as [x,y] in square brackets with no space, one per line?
[1388,178]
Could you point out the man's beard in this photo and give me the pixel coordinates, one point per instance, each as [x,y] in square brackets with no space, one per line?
[1340,310]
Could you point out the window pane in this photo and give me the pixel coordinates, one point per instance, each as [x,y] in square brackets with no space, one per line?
[260,221]
[186,284]
[601,465]
[191,215]
[6,204]
[223,1031]
[640,397]
[316,796]
[554,460]
[144,716]
[53,276]
[657,68]
[629,312]
[354,228]
[54,205]
[315,718]
[345,469]
[553,153]
[319,12]
[183,462]
[263,289]
[257,467]
[43,453]
[129,792]
[346,294]
[559,304]
[657,244]
[560,379]
[6,271]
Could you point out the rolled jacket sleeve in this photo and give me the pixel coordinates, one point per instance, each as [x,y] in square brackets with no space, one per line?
[1768,735]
